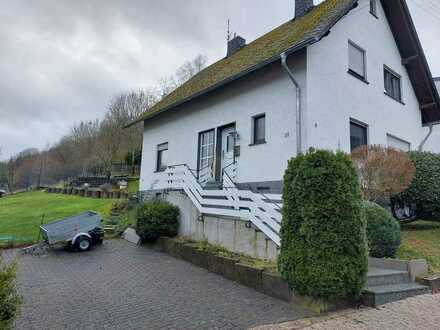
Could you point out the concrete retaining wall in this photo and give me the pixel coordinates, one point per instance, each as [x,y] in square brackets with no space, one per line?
[233,234]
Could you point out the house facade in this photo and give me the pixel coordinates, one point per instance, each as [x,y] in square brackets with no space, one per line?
[338,76]
[433,143]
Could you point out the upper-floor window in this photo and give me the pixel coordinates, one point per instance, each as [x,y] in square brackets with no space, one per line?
[356,60]
[393,85]
[259,129]
[162,157]
[358,134]
[373,8]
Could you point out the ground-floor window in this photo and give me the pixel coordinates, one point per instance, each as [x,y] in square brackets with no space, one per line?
[358,134]
[206,149]
[162,157]
[259,129]
[398,143]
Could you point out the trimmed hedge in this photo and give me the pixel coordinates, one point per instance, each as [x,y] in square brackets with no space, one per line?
[323,233]
[156,219]
[383,231]
[424,190]
[10,301]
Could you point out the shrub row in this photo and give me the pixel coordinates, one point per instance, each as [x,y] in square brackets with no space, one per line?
[424,191]
[323,233]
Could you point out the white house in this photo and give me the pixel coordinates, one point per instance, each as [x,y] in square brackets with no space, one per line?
[339,75]
[433,143]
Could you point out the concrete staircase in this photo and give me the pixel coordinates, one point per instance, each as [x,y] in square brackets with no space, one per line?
[385,285]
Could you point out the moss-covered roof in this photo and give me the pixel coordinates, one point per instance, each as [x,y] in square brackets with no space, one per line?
[290,36]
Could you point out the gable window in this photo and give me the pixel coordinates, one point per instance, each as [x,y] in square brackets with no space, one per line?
[358,135]
[373,8]
[162,157]
[206,149]
[356,61]
[393,84]
[259,129]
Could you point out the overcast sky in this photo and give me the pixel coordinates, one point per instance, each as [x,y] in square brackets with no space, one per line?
[62,60]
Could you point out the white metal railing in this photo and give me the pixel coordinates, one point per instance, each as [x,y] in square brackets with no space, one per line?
[262,210]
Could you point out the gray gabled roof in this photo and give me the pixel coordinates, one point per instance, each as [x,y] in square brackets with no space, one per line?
[300,33]
[289,37]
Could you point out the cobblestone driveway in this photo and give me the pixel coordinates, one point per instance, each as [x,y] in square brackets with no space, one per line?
[121,286]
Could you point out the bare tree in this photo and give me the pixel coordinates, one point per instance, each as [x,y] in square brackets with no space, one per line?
[184,73]
[190,68]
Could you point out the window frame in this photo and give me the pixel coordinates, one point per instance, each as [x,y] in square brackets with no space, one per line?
[394,74]
[254,140]
[363,78]
[392,136]
[362,125]
[373,8]
[159,150]
[200,158]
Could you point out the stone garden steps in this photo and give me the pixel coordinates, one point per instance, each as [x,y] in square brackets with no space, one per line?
[387,285]
[379,295]
[382,276]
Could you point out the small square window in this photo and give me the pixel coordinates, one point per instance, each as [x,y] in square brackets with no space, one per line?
[373,8]
[259,131]
[356,60]
[393,86]
[162,157]
[358,135]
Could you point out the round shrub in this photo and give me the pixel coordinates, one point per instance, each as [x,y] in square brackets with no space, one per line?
[383,231]
[423,195]
[156,219]
[323,233]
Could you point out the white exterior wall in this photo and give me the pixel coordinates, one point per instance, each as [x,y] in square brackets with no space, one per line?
[433,143]
[268,91]
[334,96]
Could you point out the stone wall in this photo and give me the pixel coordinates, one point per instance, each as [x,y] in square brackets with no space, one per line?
[91,193]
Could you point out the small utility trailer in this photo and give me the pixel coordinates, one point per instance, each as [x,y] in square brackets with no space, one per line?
[78,232]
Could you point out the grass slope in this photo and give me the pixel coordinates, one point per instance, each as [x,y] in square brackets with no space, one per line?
[20,215]
[421,239]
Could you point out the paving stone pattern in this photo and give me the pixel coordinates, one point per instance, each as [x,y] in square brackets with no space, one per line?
[421,312]
[122,286]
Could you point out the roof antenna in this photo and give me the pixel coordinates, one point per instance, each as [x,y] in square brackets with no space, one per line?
[228,35]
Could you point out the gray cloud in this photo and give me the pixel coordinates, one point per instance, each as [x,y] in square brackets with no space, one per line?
[62,60]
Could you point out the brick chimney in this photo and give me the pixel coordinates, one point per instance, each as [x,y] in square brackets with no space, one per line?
[302,7]
[235,44]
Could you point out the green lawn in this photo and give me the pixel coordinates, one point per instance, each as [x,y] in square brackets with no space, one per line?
[20,215]
[133,186]
[421,239]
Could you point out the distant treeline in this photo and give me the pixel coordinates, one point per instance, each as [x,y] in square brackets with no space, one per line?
[94,145]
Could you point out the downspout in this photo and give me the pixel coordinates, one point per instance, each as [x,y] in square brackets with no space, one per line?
[298,104]
[422,144]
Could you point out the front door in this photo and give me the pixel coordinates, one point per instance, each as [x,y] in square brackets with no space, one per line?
[227,150]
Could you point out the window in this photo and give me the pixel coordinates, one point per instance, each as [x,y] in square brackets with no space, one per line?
[373,8]
[392,84]
[356,61]
[230,143]
[358,135]
[206,149]
[162,157]
[259,129]
[399,144]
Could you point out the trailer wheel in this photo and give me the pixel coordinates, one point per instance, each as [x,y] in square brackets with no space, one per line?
[83,244]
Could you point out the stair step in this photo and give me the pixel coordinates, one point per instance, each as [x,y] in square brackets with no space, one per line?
[381,276]
[383,294]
